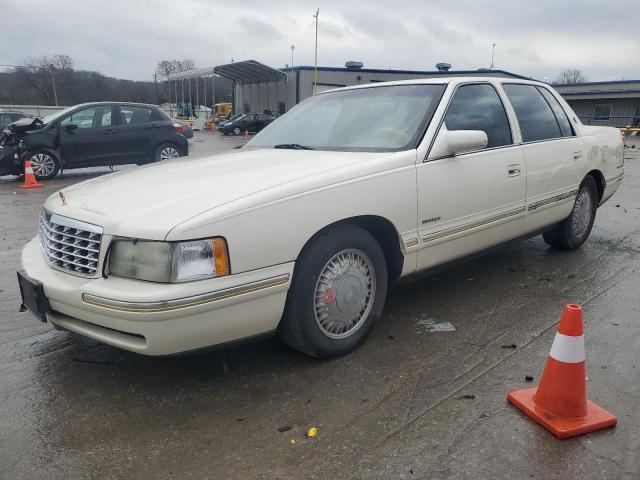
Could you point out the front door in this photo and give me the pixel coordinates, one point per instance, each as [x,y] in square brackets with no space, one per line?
[474,200]
[86,136]
[249,122]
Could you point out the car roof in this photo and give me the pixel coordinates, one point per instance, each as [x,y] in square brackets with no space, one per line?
[133,104]
[441,81]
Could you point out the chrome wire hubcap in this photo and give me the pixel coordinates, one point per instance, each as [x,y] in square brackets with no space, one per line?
[42,164]
[168,152]
[581,213]
[344,293]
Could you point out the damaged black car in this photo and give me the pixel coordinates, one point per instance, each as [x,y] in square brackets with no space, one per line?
[88,135]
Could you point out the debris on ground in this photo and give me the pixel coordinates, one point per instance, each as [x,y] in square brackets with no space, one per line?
[430,325]
[285,428]
[467,396]
[312,432]
[528,378]
[511,345]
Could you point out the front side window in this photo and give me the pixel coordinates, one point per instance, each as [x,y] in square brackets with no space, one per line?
[478,107]
[378,119]
[133,115]
[536,119]
[92,117]
[602,111]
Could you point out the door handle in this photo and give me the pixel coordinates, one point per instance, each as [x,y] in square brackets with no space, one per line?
[513,170]
[577,155]
[107,131]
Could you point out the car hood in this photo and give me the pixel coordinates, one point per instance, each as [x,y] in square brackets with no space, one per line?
[148,201]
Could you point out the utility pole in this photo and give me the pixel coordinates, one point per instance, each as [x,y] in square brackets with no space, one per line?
[53,81]
[493,51]
[315,67]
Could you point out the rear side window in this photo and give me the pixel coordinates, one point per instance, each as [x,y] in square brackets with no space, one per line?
[561,116]
[536,119]
[5,118]
[478,107]
[134,115]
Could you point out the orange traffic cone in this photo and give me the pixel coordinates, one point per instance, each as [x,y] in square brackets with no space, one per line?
[246,133]
[29,177]
[559,403]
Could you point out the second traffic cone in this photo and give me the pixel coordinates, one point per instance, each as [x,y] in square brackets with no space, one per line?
[29,178]
[246,133]
[559,403]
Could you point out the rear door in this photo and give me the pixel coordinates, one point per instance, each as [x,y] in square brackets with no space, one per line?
[555,156]
[136,132]
[91,141]
[471,201]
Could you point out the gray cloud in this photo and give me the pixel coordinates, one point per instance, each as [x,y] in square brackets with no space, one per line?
[127,38]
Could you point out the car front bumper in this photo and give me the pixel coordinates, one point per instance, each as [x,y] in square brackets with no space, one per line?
[162,319]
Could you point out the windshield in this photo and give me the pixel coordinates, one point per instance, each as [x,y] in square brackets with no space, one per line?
[56,115]
[376,119]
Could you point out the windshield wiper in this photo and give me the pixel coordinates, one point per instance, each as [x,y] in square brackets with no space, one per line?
[292,146]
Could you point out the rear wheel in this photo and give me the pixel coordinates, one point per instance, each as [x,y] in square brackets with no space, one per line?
[45,166]
[166,151]
[337,294]
[574,230]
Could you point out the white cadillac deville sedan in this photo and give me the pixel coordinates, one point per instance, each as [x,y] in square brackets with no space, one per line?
[301,231]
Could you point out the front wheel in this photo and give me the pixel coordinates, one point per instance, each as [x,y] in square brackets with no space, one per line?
[237,131]
[337,294]
[45,166]
[574,230]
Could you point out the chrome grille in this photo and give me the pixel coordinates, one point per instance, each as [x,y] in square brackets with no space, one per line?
[70,244]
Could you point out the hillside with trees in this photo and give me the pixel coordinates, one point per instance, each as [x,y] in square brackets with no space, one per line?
[33,84]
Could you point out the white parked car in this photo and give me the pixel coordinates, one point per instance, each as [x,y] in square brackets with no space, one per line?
[302,230]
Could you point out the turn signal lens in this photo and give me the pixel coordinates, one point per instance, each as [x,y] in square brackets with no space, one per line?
[220,256]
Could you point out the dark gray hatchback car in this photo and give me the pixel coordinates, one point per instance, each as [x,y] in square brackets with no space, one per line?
[91,134]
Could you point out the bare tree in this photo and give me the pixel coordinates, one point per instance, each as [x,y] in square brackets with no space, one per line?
[167,67]
[570,75]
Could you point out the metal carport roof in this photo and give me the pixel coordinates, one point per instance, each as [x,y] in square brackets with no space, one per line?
[245,72]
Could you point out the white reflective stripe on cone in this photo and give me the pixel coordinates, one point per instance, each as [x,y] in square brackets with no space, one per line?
[568,349]
[29,170]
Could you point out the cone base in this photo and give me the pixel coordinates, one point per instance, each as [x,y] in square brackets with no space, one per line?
[597,417]
[35,185]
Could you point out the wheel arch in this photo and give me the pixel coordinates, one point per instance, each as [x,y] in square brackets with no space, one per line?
[384,232]
[600,182]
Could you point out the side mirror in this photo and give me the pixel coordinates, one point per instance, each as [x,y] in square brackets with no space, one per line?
[70,126]
[453,142]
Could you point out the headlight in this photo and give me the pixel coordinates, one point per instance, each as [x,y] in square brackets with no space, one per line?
[169,262]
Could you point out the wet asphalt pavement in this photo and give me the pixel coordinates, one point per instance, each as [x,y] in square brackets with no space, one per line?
[410,403]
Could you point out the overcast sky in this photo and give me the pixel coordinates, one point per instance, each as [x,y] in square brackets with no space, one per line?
[127,38]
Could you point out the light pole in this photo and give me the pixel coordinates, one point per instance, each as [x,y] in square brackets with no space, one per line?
[53,81]
[293,47]
[493,51]
[315,67]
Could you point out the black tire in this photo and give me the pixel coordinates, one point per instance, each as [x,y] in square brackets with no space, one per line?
[299,327]
[162,149]
[574,230]
[45,164]
[237,131]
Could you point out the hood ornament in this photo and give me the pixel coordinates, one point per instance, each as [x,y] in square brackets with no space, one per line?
[64,200]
